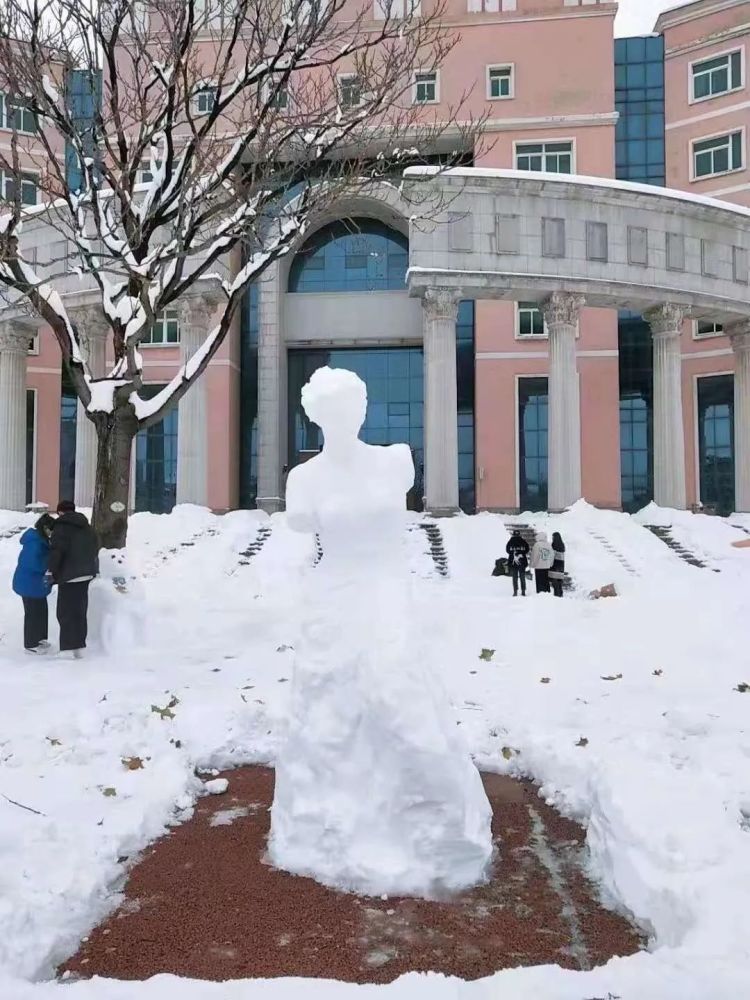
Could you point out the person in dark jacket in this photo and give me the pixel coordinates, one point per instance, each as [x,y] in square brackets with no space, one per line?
[557,573]
[518,559]
[31,583]
[73,564]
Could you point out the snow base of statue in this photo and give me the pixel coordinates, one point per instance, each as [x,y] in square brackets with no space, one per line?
[117,606]
[376,792]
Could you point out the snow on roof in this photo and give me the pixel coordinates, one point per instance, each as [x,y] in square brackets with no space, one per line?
[602,182]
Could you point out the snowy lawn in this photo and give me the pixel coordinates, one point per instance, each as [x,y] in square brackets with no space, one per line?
[626,711]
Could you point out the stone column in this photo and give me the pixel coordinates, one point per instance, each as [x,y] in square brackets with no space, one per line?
[561,312]
[14,347]
[196,314]
[439,313]
[272,417]
[669,434]
[92,333]
[739,335]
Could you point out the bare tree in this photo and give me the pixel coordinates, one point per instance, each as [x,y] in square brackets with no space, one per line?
[221,131]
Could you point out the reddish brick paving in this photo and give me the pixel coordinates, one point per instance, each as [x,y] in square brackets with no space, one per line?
[204,903]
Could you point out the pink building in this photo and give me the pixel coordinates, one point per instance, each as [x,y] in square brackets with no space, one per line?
[559,96]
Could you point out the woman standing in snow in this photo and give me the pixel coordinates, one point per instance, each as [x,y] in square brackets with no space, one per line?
[542,559]
[32,585]
[557,573]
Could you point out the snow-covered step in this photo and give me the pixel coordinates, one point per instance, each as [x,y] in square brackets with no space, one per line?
[686,555]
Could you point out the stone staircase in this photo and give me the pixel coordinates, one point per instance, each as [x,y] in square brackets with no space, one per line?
[665,535]
[610,548]
[264,533]
[318,550]
[436,546]
[12,532]
[529,535]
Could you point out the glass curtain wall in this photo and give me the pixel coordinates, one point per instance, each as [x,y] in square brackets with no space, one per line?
[639,99]
[156,462]
[640,157]
[716,442]
[68,422]
[636,412]
[533,423]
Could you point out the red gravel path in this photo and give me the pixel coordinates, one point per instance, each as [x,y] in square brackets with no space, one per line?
[203,904]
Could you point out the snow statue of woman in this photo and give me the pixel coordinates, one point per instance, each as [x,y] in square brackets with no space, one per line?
[375,791]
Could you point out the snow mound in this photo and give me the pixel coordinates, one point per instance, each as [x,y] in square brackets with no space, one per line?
[375,790]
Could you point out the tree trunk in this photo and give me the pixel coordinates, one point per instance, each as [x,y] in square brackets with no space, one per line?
[115,434]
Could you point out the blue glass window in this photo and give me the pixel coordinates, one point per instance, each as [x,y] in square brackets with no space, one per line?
[639,99]
[68,422]
[30,437]
[351,255]
[716,441]
[636,411]
[156,462]
[532,443]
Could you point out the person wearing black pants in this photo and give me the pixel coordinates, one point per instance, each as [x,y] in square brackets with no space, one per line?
[31,584]
[73,564]
[72,614]
[518,559]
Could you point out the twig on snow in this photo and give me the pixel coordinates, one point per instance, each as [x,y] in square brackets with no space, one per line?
[22,806]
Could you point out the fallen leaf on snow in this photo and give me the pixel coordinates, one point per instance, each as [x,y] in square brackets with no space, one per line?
[109,793]
[509,752]
[487,655]
[612,677]
[742,687]
[583,742]
[133,763]
[544,680]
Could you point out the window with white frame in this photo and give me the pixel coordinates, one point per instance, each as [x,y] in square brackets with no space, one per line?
[277,96]
[550,157]
[499,82]
[146,170]
[384,10]
[426,87]
[716,76]
[350,90]
[17,116]
[704,329]
[491,6]
[529,320]
[29,187]
[204,99]
[719,155]
[165,330]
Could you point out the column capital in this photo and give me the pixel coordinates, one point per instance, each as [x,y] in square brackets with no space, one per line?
[562,308]
[739,336]
[198,309]
[441,303]
[666,320]
[14,338]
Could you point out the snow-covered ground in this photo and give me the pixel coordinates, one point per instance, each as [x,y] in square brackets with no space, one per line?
[638,730]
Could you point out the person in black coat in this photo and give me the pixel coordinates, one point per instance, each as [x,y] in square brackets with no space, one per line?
[73,564]
[518,559]
[557,573]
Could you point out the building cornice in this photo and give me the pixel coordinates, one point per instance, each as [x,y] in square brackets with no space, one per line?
[694,12]
[596,118]
[719,38]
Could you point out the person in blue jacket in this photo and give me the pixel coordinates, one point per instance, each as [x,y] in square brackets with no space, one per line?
[32,584]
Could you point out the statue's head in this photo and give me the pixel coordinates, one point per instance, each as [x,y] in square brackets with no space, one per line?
[336,400]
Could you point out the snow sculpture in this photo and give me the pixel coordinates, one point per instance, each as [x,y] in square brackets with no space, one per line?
[118,610]
[375,791]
